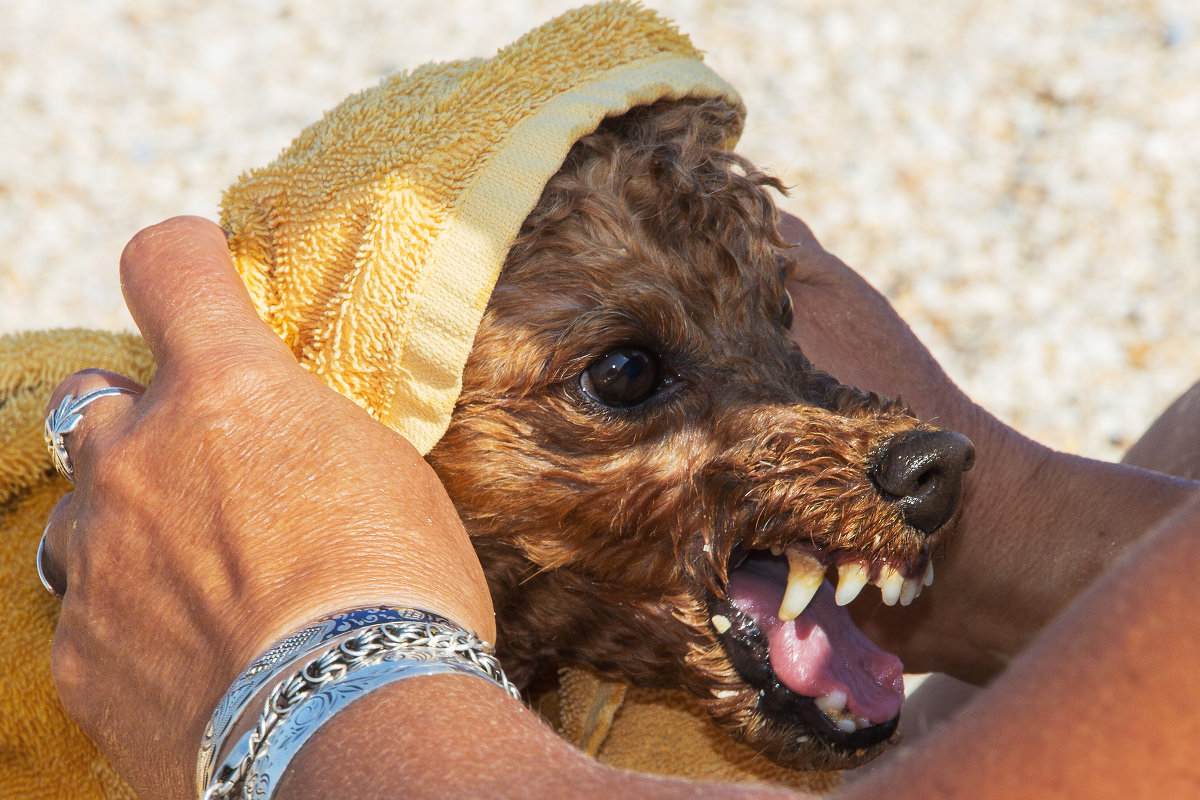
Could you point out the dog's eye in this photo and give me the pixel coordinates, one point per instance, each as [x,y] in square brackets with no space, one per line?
[785,313]
[624,377]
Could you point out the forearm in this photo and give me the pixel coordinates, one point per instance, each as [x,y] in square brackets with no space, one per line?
[1015,563]
[1102,705]
[451,736]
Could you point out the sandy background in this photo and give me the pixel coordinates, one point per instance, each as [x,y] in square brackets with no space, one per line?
[1021,177]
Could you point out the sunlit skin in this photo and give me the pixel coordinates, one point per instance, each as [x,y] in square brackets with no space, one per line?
[204,557]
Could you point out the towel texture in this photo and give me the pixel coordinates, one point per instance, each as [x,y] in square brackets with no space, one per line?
[371,245]
[662,732]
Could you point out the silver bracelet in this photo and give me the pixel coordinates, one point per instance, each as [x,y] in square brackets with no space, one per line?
[292,730]
[315,637]
[419,648]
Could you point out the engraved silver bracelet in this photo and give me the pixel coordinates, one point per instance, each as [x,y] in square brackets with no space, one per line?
[376,655]
[313,638]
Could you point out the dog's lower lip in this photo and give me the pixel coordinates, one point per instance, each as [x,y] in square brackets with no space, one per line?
[823,718]
[747,649]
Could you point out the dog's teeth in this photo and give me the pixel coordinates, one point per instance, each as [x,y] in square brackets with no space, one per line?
[929,574]
[832,703]
[851,580]
[846,725]
[723,694]
[721,623]
[890,584]
[805,574]
[863,722]
[909,591]
[776,549]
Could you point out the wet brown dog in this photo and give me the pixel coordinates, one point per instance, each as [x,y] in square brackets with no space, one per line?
[655,477]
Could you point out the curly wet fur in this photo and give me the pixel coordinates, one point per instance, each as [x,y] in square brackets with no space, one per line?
[605,531]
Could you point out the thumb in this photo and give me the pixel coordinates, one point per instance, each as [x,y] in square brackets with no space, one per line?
[188,300]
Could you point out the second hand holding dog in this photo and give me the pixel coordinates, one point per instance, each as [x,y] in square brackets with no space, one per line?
[1037,525]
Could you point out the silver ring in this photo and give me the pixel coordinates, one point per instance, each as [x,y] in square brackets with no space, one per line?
[65,419]
[41,570]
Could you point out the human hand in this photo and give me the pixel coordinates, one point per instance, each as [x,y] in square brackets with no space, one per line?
[1037,526]
[850,330]
[234,500]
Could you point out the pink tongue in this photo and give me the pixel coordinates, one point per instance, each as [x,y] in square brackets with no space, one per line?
[821,651]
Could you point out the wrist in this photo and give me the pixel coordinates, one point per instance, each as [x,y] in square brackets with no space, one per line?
[1038,527]
[446,736]
[317,672]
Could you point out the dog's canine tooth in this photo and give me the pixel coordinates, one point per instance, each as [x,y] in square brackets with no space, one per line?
[805,574]
[909,591]
[776,549]
[929,574]
[846,725]
[890,584]
[721,623]
[832,703]
[723,694]
[851,580]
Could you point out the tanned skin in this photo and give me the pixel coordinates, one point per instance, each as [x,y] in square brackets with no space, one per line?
[229,551]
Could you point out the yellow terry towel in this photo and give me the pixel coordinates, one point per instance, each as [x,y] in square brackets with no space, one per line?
[662,732]
[371,245]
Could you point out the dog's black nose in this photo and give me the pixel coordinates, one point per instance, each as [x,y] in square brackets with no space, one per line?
[922,472]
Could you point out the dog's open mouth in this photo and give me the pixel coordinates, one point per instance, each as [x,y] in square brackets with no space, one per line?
[787,633]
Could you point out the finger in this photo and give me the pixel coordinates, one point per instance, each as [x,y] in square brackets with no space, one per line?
[73,419]
[55,547]
[186,297]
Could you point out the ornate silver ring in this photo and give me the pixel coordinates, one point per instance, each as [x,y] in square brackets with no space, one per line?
[65,419]
[41,569]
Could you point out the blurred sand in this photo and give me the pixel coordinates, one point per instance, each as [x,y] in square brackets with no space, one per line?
[1021,177]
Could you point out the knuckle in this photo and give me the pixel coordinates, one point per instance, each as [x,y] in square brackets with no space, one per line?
[86,444]
[228,383]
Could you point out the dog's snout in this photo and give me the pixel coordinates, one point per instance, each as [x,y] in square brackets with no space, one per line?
[922,472]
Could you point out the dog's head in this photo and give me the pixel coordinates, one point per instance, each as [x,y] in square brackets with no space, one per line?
[658,481]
